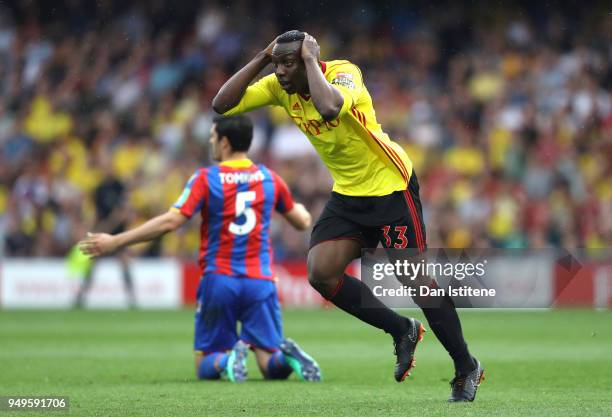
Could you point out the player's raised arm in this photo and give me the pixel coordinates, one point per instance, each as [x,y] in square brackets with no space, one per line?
[194,193]
[233,90]
[326,98]
[98,244]
[298,217]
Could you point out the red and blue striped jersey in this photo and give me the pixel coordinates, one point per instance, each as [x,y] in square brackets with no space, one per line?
[235,200]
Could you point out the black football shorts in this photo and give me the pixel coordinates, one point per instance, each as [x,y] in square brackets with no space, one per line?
[394,220]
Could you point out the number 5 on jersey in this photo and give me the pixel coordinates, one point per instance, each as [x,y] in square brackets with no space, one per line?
[242,208]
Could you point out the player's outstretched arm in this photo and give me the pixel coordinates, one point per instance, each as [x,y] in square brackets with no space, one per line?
[98,244]
[299,217]
[326,98]
[232,91]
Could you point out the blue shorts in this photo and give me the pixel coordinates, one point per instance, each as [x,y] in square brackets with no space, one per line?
[223,301]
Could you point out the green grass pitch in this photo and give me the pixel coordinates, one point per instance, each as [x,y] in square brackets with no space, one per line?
[116,363]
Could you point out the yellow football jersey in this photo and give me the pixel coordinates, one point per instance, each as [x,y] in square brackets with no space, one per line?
[363,161]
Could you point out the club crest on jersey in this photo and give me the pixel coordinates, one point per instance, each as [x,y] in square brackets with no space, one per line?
[344,79]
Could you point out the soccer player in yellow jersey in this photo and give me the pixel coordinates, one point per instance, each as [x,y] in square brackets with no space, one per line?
[375,197]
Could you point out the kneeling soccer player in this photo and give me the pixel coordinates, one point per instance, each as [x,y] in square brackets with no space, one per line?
[235,199]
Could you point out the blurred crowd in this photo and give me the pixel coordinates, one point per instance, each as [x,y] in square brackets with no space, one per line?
[506,112]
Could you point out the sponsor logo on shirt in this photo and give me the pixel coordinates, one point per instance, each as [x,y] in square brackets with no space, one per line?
[344,79]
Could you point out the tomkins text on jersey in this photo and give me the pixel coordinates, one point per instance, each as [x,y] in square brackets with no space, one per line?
[235,200]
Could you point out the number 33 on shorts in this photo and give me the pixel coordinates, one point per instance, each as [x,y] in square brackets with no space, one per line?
[394,237]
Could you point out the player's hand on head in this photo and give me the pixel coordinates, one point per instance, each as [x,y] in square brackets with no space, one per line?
[310,47]
[270,47]
[97,244]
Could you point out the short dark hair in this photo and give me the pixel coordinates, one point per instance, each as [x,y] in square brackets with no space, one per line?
[237,129]
[291,36]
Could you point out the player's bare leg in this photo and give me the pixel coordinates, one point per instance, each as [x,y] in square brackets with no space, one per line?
[263,357]
[327,262]
[272,364]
